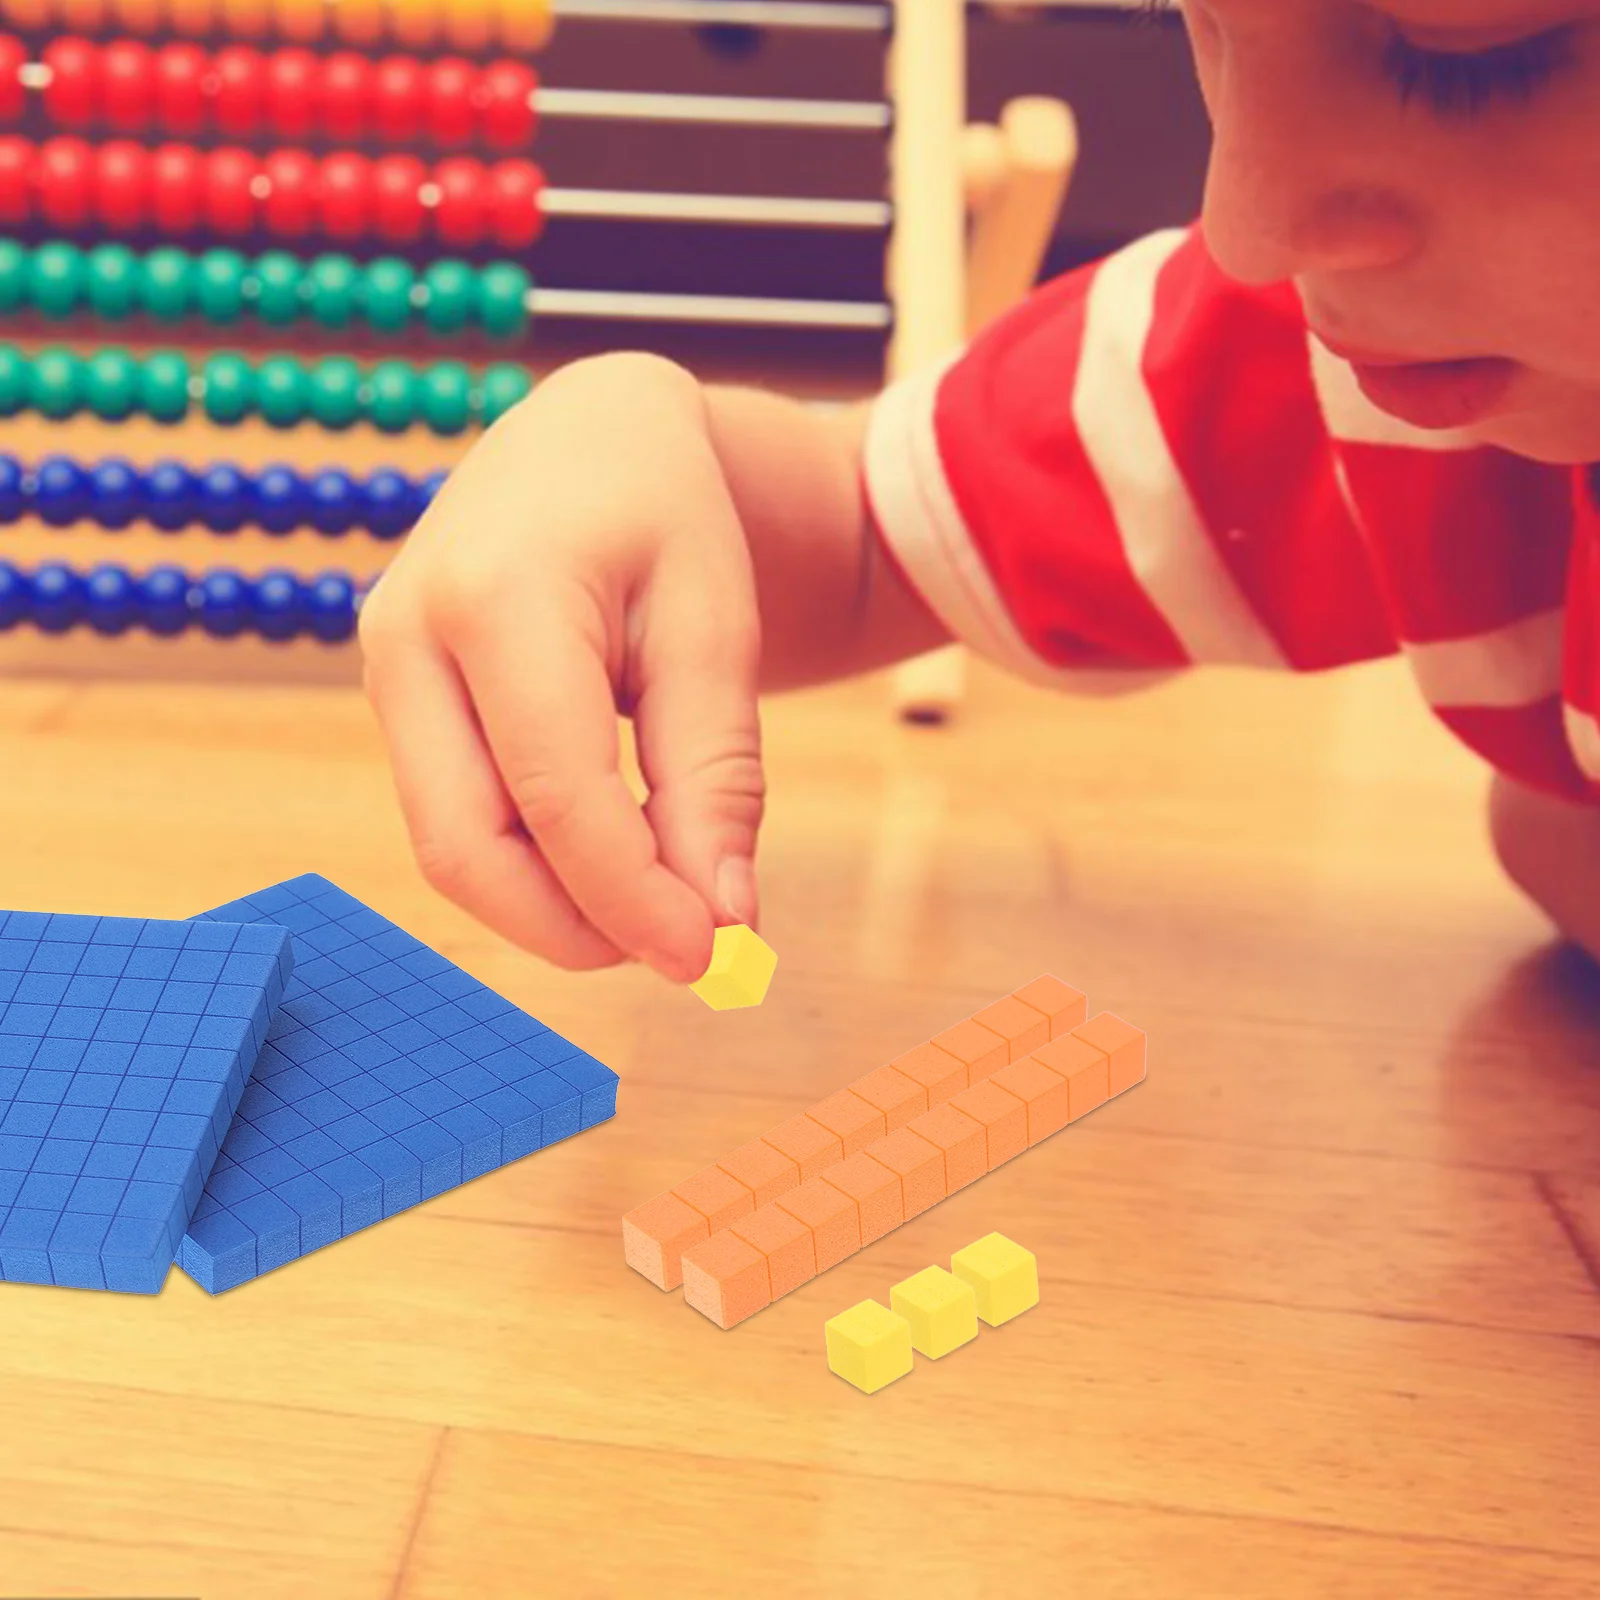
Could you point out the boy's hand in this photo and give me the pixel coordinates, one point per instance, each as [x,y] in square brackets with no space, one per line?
[586,559]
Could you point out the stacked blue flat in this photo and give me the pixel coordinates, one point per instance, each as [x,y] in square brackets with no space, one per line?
[388,1076]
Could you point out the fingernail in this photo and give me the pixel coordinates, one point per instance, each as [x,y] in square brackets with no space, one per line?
[736,890]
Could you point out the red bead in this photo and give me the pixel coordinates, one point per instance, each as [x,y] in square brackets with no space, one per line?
[66,182]
[452,107]
[177,178]
[508,112]
[73,98]
[13,97]
[16,180]
[346,195]
[398,212]
[181,88]
[127,84]
[463,186]
[290,211]
[122,186]
[516,218]
[241,78]
[294,83]
[346,95]
[399,90]
[230,191]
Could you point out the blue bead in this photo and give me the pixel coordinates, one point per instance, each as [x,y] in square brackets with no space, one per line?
[225,603]
[279,607]
[170,489]
[58,597]
[116,493]
[281,501]
[61,491]
[393,504]
[335,501]
[16,600]
[164,600]
[112,599]
[13,495]
[331,607]
[226,497]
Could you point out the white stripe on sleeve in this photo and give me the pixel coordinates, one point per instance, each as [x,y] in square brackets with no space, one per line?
[1518,665]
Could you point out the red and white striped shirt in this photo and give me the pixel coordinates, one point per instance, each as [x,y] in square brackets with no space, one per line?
[1150,466]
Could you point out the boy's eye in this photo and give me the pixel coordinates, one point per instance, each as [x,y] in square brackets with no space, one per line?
[1463,85]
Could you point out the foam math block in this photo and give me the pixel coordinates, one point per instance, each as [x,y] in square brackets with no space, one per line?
[1085,1068]
[917,1164]
[1065,1006]
[939,1073]
[1004,1277]
[808,1144]
[868,1346]
[1003,1116]
[655,1235]
[980,1050]
[785,1241]
[1043,1092]
[742,964]
[940,1309]
[763,1170]
[1124,1047]
[850,1119]
[875,1190]
[892,1093]
[963,1142]
[832,1216]
[125,1049]
[388,1076]
[1022,1027]
[717,1195]
[727,1279]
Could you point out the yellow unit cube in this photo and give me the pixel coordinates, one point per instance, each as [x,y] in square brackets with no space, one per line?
[1003,1275]
[742,964]
[869,1346]
[941,1310]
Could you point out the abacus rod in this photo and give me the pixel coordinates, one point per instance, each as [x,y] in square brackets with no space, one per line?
[796,14]
[749,111]
[756,210]
[603,304]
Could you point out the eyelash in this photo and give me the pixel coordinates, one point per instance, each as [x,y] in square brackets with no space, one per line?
[1465,85]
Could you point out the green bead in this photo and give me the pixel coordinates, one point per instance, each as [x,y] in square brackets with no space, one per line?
[447,397]
[388,294]
[16,265]
[504,386]
[55,384]
[55,282]
[281,391]
[219,285]
[167,284]
[111,385]
[278,279]
[13,380]
[230,383]
[164,386]
[335,287]
[392,392]
[113,287]
[452,295]
[503,300]
[336,392]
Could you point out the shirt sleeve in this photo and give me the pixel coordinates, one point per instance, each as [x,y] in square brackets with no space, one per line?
[1130,471]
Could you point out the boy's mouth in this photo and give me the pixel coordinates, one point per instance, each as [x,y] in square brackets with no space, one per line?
[1429,394]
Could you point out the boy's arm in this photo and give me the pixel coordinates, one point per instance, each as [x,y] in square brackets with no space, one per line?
[1551,850]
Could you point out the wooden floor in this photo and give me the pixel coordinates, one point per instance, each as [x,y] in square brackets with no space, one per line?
[1321,1299]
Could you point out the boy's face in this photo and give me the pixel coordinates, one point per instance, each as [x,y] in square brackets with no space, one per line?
[1428,173]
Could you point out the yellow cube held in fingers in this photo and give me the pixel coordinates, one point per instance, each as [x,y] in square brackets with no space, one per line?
[868,1345]
[1003,1275]
[940,1308]
[742,964]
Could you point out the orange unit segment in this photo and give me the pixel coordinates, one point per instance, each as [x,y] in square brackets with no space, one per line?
[1085,1068]
[939,1073]
[1004,1119]
[962,1141]
[832,1216]
[806,1143]
[1023,1027]
[1061,1003]
[719,1198]
[875,1190]
[1043,1092]
[892,1093]
[918,1165]
[726,1279]
[655,1235]
[972,1044]
[1123,1044]
[850,1117]
[786,1243]
[765,1172]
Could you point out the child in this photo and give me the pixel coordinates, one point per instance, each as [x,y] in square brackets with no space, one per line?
[1344,415]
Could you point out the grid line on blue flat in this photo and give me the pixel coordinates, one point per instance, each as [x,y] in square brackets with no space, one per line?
[125,1046]
[388,1076]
